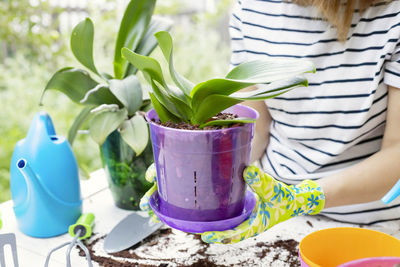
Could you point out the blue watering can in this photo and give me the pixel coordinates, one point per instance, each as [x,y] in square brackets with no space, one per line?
[44,181]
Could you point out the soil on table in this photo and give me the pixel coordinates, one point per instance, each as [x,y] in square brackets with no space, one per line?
[187,126]
[167,243]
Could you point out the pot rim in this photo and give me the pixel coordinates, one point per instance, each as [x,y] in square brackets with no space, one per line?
[149,121]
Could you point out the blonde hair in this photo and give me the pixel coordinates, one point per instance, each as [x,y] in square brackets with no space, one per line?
[340,13]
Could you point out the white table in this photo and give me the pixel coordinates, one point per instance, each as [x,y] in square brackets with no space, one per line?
[97,199]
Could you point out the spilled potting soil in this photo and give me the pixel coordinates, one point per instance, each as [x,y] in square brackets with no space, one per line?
[187,126]
[169,247]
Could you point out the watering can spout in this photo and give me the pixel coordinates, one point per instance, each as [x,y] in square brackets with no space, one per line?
[26,170]
[36,187]
[32,181]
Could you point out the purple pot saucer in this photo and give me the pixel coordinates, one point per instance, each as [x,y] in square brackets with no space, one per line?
[199,227]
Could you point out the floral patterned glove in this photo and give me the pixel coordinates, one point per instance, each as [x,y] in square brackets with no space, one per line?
[276,202]
[151,176]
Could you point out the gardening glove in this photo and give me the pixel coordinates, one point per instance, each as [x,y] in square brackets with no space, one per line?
[151,176]
[276,202]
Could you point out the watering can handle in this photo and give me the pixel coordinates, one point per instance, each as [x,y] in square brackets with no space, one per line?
[47,122]
[42,125]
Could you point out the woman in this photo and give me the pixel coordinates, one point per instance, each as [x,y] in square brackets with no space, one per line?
[342,132]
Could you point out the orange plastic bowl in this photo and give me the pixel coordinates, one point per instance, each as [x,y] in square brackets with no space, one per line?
[335,246]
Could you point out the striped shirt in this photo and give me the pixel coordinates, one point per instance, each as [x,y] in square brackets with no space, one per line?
[339,119]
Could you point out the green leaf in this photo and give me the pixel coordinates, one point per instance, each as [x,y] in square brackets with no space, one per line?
[101,94]
[133,27]
[166,100]
[135,133]
[74,83]
[179,98]
[82,44]
[272,89]
[78,122]
[129,92]
[172,99]
[213,104]
[215,86]
[166,45]
[106,76]
[105,107]
[250,73]
[105,122]
[227,122]
[266,71]
[146,105]
[163,114]
[149,66]
[268,94]
[178,101]
[148,43]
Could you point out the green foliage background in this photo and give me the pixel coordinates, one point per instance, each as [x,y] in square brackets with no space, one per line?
[28,58]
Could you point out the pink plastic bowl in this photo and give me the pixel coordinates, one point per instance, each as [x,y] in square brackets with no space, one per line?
[367,262]
[373,262]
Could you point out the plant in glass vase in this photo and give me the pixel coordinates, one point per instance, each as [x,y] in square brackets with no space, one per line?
[199,152]
[112,105]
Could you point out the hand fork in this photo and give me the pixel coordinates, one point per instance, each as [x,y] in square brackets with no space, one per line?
[80,230]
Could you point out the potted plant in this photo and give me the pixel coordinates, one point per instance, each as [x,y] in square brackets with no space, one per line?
[199,152]
[112,105]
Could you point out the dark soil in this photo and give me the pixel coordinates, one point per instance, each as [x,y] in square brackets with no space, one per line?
[187,126]
[290,246]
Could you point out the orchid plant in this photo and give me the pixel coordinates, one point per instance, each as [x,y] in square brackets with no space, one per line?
[111,102]
[197,104]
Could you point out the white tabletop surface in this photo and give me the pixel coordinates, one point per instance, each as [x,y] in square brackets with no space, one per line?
[97,199]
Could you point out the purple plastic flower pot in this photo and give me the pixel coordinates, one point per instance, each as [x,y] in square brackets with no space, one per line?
[200,172]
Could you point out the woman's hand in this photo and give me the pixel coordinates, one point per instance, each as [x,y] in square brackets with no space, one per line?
[276,202]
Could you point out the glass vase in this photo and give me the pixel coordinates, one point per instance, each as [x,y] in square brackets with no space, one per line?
[125,171]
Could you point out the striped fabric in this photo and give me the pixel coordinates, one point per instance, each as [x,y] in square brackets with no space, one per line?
[339,119]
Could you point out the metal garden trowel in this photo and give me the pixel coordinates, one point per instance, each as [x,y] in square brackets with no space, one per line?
[128,232]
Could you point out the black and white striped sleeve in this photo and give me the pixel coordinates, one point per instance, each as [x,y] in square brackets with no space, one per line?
[235,30]
[392,68]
